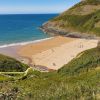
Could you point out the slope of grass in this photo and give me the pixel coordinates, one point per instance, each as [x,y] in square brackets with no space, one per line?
[8,64]
[54,87]
[89,60]
[78,80]
[73,21]
[4,78]
[87,2]
[82,23]
[94,2]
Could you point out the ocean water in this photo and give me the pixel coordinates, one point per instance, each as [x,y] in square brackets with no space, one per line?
[15,29]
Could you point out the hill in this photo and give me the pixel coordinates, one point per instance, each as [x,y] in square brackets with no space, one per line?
[8,64]
[83,17]
[77,80]
[84,62]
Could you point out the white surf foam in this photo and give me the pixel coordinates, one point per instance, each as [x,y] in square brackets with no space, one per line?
[23,43]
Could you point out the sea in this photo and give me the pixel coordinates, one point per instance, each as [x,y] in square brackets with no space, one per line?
[20,29]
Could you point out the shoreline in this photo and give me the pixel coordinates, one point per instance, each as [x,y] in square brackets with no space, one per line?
[13,48]
[49,54]
[56,52]
[24,43]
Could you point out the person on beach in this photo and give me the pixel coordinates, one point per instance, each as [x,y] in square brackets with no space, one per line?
[54,64]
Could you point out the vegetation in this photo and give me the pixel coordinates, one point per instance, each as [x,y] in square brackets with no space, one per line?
[88,61]
[8,64]
[94,2]
[82,18]
[78,80]
[87,2]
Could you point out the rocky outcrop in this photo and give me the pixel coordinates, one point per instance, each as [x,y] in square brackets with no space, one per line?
[82,20]
[52,30]
[49,28]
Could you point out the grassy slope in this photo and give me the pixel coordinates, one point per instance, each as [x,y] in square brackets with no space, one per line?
[8,64]
[72,82]
[89,60]
[73,22]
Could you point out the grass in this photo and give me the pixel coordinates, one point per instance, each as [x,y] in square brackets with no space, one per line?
[57,87]
[86,2]
[81,23]
[8,64]
[78,22]
[65,84]
[77,80]
[4,78]
[79,65]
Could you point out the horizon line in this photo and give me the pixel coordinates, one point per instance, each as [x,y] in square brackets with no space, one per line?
[25,13]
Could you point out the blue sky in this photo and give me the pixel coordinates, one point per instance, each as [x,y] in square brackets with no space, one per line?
[35,6]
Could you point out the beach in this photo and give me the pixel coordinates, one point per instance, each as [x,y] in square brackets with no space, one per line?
[28,44]
[56,52]
[51,53]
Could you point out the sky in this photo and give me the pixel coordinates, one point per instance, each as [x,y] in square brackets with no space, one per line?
[35,6]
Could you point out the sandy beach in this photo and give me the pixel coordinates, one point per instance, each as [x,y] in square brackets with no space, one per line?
[50,54]
[32,49]
[55,52]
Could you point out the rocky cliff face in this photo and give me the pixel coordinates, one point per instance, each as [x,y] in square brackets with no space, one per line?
[84,17]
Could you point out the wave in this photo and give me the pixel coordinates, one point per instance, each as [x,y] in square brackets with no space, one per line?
[23,43]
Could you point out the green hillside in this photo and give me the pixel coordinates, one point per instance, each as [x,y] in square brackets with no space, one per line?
[78,80]
[8,64]
[89,60]
[84,17]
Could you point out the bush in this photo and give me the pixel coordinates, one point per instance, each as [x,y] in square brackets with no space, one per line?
[8,64]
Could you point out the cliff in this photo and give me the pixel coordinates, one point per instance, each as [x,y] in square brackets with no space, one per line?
[83,17]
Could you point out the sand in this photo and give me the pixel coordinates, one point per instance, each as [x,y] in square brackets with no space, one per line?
[55,52]
[31,49]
